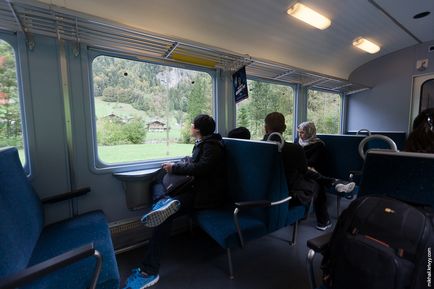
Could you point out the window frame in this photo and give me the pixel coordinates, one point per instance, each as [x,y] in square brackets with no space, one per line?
[18,44]
[98,165]
[276,82]
[342,106]
[422,91]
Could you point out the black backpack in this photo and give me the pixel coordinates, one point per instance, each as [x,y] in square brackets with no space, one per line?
[380,243]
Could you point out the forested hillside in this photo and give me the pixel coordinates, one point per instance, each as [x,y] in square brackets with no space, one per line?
[170,95]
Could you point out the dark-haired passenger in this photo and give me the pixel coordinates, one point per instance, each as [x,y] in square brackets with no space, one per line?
[207,166]
[304,182]
[240,132]
[421,139]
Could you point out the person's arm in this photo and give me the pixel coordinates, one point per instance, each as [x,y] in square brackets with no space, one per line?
[211,156]
[301,161]
[316,155]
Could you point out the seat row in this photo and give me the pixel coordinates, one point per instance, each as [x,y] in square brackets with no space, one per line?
[78,252]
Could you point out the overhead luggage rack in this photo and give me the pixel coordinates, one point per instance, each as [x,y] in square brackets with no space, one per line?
[33,17]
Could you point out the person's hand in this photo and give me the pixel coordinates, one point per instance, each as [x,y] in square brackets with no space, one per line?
[312,169]
[168,167]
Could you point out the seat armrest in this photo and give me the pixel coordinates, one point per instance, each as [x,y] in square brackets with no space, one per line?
[36,271]
[261,203]
[253,204]
[319,244]
[66,196]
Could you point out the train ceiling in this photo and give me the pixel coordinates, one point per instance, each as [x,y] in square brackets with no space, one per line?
[256,33]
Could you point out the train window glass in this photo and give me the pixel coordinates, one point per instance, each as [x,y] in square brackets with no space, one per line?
[324,109]
[427,95]
[265,97]
[144,111]
[11,133]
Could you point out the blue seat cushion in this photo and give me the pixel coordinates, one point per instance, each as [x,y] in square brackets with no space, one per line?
[219,224]
[21,214]
[342,155]
[295,214]
[67,235]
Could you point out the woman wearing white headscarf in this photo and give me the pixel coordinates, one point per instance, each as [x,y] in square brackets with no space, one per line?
[314,149]
[313,146]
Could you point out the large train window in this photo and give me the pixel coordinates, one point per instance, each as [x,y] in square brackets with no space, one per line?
[427,95]
[265,97]
[324,108]
[144,111]
[11,133]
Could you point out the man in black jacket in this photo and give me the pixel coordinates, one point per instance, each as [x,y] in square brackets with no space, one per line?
[300,180]
[207,166]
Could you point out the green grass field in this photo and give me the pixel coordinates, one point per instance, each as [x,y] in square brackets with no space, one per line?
[124,110]
[140,152]
[22,156]
[136,152]
[174,134]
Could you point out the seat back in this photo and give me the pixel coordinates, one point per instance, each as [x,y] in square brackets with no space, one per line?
[21,217]
[255,172]
[402,175]
[342,155]
[398,137]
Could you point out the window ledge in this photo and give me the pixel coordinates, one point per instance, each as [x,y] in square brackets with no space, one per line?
[136,186]
[138,175]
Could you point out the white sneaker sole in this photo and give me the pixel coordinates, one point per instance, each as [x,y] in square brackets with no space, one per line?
[324,228]
[341,188]
[151,283]
[155,218]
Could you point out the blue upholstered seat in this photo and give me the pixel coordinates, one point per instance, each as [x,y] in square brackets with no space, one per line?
[25,242]
[219,224]
[342,155]
[295,213]
[69,234]
[252,176]
[341,158]
[402,175]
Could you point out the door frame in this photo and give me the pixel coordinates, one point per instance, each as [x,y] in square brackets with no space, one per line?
[417,82]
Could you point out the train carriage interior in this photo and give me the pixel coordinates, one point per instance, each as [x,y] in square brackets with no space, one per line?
[97,97]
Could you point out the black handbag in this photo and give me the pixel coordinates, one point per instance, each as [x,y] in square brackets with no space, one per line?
[176,184]
[380,243]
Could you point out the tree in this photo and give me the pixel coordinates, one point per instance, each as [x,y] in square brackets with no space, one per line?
[323,108]
[242,117]
[265,97]
[10,121]
[117,132]
[198,103]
